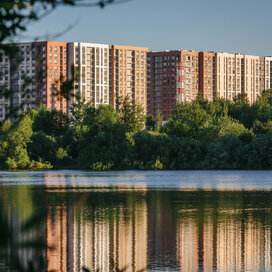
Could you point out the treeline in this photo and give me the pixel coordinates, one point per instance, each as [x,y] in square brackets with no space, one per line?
[200,135]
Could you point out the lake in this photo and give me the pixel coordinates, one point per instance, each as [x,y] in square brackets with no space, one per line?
[137,220]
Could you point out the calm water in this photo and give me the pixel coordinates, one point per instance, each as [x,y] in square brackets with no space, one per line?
[142,220]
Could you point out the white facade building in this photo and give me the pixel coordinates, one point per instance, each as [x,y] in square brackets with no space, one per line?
[91,70]
[268,72]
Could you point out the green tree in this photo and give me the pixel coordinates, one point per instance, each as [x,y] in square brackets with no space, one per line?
[181,153]
[103,143]
[131,114]
[262,128]
[150,122]
[241,98]
[223,153]
[146,148]
[186,120]
[78,110]
[243,112]
[13,147]
[258,154]
[43,147]
[51,122]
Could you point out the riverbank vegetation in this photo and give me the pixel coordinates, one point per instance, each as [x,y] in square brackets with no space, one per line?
[199,135]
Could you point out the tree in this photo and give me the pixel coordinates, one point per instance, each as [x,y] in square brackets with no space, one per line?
[242,111]
[43,147]
[96,120]
[150,122]
[258,154]
[51,122]
[181,153]
[223,153]
[186,120]
[131,114]
[103,143]
[262,128]
[241,98]
[13,146]
[146,148]
[78,110]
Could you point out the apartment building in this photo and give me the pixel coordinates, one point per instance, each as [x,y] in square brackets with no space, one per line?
[238,73]
[268,72]
[33,76]
[207,75]
[88,64]
[128,74]
[173,76]
[179,76]
[101,73]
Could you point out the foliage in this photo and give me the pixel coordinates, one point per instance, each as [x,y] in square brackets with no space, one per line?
[51,122]
[150,122]
[78,110]
[199,135]
[131,114]
[103,142]
[258,154]
[186,120]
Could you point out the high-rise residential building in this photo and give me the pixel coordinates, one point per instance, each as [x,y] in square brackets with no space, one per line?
[268,72]
[88,64]
[55,68]
[173,76]
[238,73]
[161,82]
[34,77]
[180,76]
[206,75]
[128,74]
[229,71]
[101,74]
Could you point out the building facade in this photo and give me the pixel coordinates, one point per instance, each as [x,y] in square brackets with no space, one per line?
[88,64]
[238,73]
[207,75]
[33,77]
[180,76]
[100,73]
[174,76]
[128,74]
[268,72]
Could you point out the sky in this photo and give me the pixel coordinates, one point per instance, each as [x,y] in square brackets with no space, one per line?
[234,26]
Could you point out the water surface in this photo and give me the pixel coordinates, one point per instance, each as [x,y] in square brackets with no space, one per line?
[143,220]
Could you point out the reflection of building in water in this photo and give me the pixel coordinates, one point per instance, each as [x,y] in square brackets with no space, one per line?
[107,237]
[243,243]
[208,240]
[58,225]
[93,236]
[223,243]
[257,245]
[91,241]
[130,238]
[195,242]
[57,228]
[161,235]
[187,247]
[229,241]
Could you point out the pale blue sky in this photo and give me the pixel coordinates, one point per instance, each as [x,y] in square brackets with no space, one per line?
[203,25]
